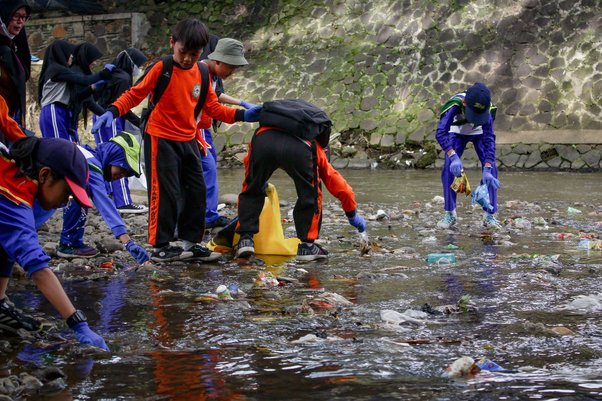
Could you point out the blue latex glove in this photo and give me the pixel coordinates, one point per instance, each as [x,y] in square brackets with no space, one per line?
[456,166]
[358,222]
[103,121]
[489,179]
[85,335]
[109,67]
[100,84]
[136,251]
[247,105]
[252,114]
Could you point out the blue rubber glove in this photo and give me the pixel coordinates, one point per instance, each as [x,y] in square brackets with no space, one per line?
[99,84]
[136,251]
[103,121]
[358,222]
[85,335]
[109,67]
[456,166]
[252,114]
[247,105]
[489,179]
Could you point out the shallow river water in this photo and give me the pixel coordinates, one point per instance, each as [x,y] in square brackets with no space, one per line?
[520,309]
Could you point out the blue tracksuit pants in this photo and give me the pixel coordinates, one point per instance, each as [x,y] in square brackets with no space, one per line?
[209,163]
[119,189]
[460,142]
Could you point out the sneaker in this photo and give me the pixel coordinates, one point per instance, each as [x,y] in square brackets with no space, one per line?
[133,209]
[308,251]
[69,252]
[203,254]
[170,253]
[13,319]
[222,221]
[245,247]
[490,221]
[448,220]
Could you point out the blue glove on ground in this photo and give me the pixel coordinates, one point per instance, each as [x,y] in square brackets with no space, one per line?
[103,121]
[247,105]
[456,166]
[358,222]
[252,114]
[109,67]
[489,179]
[136,251]
[85,335]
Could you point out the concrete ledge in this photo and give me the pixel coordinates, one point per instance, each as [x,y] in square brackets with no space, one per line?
[553,137]
[79,18]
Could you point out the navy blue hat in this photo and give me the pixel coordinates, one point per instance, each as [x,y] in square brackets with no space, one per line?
[67,162]
[477,102]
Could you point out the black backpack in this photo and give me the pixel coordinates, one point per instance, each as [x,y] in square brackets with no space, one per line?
[297,117]
[162,83]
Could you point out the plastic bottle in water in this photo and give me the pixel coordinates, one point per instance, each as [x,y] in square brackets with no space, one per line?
[441,258]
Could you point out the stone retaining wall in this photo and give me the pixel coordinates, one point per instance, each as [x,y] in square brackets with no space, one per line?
[382,68]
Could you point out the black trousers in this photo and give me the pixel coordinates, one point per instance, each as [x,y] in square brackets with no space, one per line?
[269,151]
[176,190]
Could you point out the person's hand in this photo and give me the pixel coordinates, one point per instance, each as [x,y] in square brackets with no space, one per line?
[137,252]
[456,166]
[489,179]
[358,222]
[85,335]
[247,105]
[110,67]
[252,114]
[103,121]
[99,84]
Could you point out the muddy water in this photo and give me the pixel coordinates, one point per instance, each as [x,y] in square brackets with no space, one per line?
[167,344]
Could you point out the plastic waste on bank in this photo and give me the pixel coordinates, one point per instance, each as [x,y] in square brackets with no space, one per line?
[461,367]
[223,293]
[440,258]
[481,196]
[489,365]
[364,243]
[590,244]
[572,210]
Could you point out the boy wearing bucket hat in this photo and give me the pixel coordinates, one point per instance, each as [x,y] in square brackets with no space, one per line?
[112,160]
[468,117]
[46,171]
[222,62]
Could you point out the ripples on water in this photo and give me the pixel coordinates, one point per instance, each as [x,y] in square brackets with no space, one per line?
[165,345]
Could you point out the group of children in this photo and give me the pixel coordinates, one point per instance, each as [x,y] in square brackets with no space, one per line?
[39,175]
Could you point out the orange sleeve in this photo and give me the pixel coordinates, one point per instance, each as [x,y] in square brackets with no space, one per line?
[214,109]
[8,126]
[136,94]
[334,182]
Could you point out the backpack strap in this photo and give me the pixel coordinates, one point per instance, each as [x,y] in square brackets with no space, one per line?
[204,88]
[163,80]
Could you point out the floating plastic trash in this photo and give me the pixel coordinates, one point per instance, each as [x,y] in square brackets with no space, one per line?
[481,196]
[489,365]
[572,210]
[590,244]
[364,243]
[440,258]
[464,366]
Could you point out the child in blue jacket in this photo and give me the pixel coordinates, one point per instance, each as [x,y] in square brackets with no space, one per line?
[46,171]
[112,160]
[468,117]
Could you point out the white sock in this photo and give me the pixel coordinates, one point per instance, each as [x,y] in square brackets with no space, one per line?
[188,244]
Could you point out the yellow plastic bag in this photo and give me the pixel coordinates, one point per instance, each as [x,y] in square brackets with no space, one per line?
[461,184]
[270,238]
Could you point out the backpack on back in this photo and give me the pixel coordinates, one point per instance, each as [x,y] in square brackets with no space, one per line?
[297,117]
[161,85]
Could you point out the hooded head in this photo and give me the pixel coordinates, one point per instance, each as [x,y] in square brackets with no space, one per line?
[130,60]
[8,9]
[84,55]
[56,60]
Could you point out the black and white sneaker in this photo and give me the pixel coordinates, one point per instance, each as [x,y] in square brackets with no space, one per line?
[308,251]
[132,209]
[245,248]
[222,221]
[13,319]
[170,253]
[203,254]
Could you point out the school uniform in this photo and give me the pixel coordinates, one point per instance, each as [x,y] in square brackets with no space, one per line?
[176,188]
[454,132]
[307,164]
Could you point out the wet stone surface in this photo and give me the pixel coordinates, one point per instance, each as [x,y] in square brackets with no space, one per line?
[388,324]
